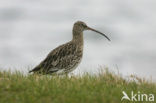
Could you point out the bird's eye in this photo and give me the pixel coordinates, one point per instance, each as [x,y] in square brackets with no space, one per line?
[83,25]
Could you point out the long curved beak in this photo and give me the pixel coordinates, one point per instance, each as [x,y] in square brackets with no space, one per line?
[88,28]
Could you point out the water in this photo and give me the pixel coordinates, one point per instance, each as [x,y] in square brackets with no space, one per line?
[30,29]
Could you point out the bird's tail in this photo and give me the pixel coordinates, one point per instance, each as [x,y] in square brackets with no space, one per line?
[35,69]
[30,71]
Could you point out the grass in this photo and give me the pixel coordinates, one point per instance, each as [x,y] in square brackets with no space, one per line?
[106,87]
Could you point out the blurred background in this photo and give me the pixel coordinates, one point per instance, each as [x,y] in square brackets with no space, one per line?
[30,29]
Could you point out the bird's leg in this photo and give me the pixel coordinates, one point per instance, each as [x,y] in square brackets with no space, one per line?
[66,74]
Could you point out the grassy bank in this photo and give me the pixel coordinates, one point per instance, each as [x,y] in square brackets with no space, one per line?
[103,88]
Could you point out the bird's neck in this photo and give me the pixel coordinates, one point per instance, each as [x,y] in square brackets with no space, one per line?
[78,38]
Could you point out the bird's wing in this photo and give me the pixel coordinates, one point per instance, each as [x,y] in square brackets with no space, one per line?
[57,59]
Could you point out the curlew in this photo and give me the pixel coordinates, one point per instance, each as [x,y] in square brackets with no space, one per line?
[66,57]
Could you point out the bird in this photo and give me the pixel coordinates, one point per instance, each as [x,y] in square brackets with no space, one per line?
[66,57]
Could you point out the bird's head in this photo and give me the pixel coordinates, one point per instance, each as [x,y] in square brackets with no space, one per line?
[80,26]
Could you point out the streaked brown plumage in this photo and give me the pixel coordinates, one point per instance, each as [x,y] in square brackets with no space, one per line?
[66,57]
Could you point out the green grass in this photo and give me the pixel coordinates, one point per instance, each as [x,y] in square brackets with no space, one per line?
[106,87]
